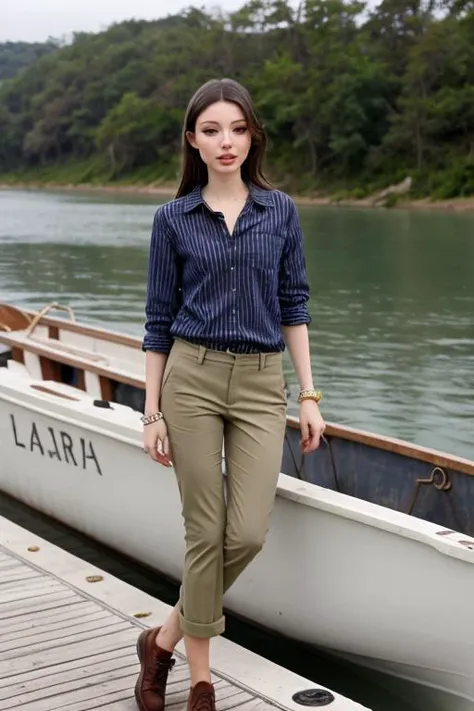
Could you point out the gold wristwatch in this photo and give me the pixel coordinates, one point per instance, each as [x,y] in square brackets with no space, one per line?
[315,395]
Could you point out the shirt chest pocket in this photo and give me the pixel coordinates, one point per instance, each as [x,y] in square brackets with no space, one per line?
[262,250]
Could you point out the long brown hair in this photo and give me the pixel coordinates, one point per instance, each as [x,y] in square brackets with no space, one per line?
[194,170]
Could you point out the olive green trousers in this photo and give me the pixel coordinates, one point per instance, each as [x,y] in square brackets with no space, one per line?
[210,399]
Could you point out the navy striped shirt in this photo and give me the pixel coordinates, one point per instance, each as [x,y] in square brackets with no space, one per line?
[221,290]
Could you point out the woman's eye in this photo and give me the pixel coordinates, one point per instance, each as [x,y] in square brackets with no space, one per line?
[209,131]
[241,129]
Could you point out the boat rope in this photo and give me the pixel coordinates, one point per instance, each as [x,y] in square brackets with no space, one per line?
[44,311]
[300,469]
[333,463]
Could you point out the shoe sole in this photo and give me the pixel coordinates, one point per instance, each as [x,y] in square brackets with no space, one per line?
[140,641]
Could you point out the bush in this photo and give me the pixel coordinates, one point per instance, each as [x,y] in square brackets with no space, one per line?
[358,193]
[456,181]
[393,199]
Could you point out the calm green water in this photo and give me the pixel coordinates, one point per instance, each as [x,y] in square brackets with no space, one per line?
[392,336]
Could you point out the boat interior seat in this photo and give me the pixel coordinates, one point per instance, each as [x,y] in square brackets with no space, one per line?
[115,363]
[20,340]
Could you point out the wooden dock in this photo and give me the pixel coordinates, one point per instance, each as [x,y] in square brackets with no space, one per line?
[64,647]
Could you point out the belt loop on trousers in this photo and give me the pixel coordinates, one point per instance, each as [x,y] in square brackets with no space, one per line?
[201,354]
[262,357]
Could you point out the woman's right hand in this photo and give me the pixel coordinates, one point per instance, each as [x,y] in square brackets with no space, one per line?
[156,442]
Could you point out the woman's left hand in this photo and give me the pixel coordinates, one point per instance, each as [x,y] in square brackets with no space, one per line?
[312,425]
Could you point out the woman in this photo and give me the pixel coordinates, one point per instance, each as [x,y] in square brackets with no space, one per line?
[227,290]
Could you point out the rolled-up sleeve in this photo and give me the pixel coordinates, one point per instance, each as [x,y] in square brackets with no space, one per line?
[293,291]
[161,288]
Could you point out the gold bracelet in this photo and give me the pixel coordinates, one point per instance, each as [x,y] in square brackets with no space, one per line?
[149,419]
[315,395]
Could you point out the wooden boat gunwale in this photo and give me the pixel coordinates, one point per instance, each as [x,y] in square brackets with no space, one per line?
[376,441]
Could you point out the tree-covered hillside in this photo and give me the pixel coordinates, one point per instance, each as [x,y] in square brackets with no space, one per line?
[352,96]
[15,56]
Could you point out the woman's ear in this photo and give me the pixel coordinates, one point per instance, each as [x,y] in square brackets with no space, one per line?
[191,138]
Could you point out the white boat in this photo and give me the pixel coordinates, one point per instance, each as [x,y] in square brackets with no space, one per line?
[389,591]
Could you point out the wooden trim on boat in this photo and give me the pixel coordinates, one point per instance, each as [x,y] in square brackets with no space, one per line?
[85,330]
[44,389]
[50,369]
[397,446]
[17,355]
[13,318]
[81,380]
[106,389]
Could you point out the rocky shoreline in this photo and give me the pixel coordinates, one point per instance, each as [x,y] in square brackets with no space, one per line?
[167,190]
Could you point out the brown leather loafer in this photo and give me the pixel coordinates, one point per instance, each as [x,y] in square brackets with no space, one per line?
[202,697]
[155,665]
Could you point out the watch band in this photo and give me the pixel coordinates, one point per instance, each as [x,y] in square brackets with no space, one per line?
[315,395]
[149,419]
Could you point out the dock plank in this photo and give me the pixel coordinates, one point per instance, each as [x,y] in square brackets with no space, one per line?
[87,693]
[43,660]
[254,704]
[225,694]
[80,676]
[84,671]
[26,592]
[37,618]
[12,574]
[8,565]
[33,628]
[87,690]
[116,701]
[46,602]
[55,696]
[50,638]
[8,585]
[71,666]
[111,702]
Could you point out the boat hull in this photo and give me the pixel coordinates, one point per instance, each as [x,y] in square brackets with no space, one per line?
[345,575]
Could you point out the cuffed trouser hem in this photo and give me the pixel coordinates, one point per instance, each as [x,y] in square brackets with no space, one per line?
[205,631]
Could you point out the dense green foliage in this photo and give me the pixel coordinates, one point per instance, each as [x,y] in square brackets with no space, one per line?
[14,56]
[352,96]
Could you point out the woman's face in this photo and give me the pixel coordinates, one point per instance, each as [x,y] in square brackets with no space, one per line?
[222,137]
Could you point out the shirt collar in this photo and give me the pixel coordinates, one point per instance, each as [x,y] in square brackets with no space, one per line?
[193,199]
[259,195]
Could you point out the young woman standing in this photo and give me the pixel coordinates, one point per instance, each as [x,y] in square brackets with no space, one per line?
[227,290]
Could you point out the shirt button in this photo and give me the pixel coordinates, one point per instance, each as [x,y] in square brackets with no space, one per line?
[231,268]
[234,289]
[233,311]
